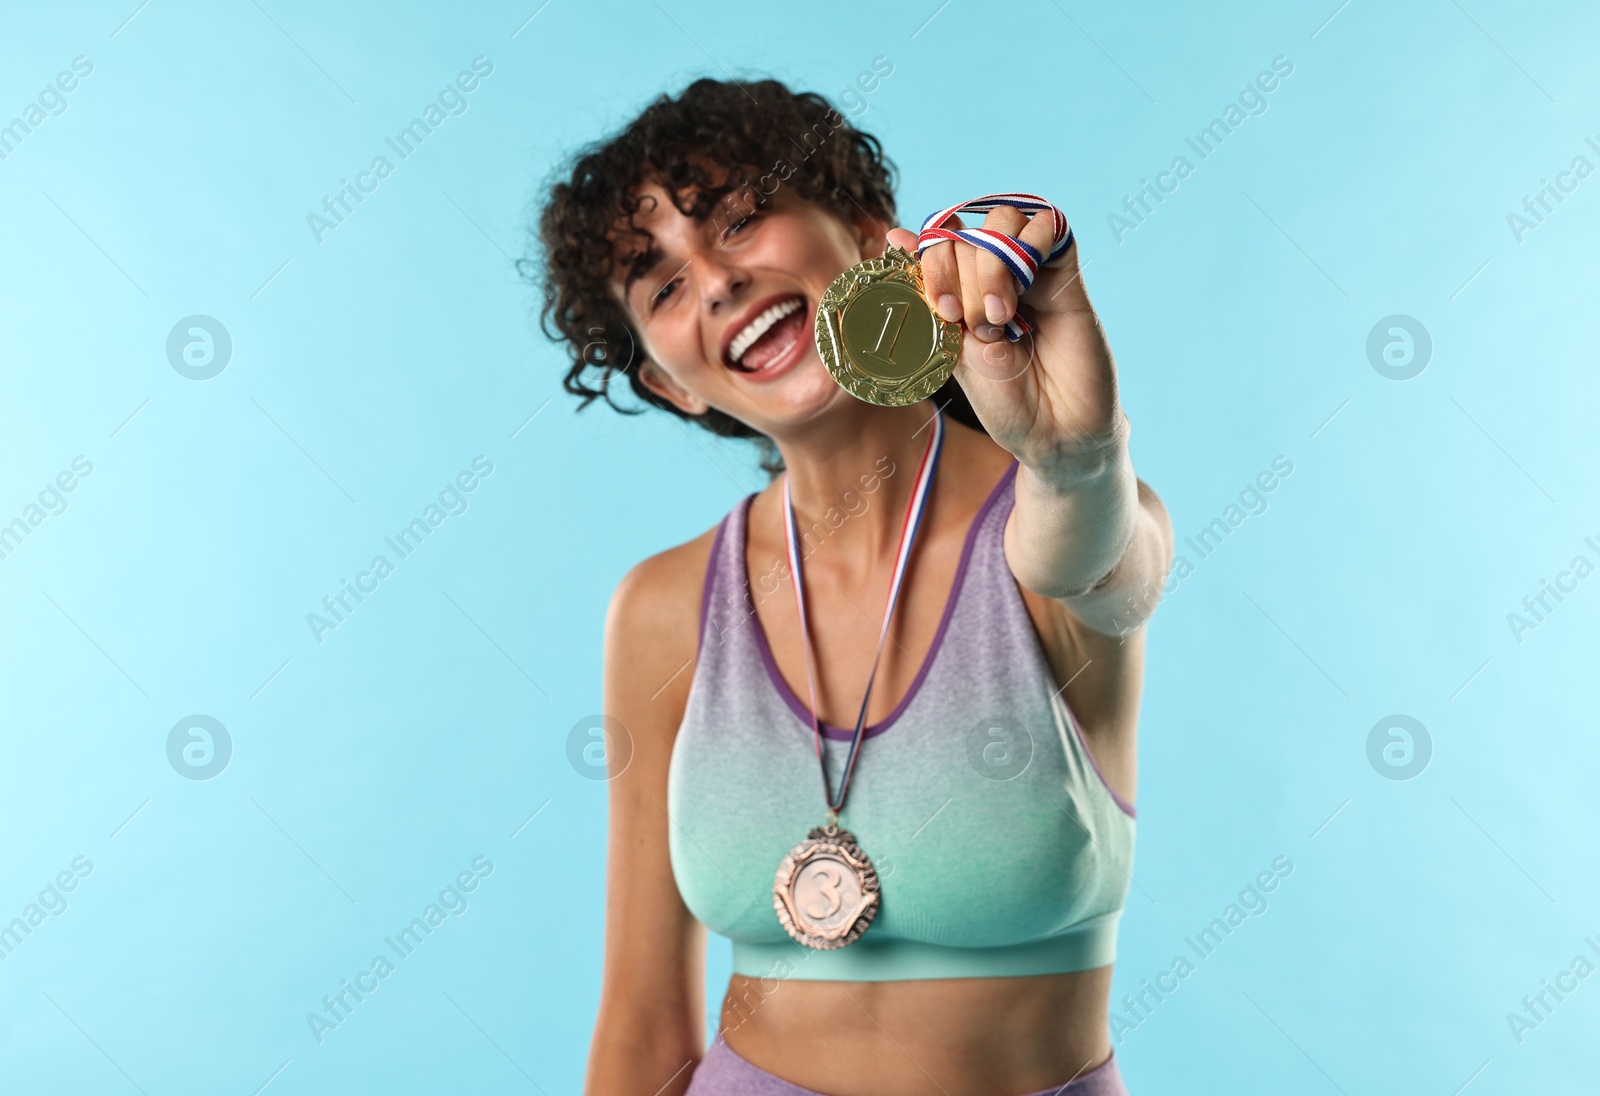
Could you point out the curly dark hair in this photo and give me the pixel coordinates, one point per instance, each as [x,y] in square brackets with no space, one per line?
[700,145]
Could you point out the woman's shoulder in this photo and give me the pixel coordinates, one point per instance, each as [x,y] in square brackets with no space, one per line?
[659,586]
[653,622]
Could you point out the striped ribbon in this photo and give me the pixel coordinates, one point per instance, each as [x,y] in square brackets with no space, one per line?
[915,508]
[1022,259]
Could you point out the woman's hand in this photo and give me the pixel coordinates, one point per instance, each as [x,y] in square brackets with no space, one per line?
[1050,398]
[1083,530]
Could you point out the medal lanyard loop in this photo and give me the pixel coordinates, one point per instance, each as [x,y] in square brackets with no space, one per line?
[915,508]
[1021,259]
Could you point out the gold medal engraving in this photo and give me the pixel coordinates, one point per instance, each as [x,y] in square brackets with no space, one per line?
[826,890]
[877,336]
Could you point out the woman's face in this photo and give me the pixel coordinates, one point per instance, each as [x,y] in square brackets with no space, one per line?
[726,306]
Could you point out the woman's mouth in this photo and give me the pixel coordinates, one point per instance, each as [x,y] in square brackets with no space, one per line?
[770,339]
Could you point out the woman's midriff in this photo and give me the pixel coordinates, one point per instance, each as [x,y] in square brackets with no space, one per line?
[956,1036]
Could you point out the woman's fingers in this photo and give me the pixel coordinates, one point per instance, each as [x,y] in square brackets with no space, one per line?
[1060,289]
[941,278]
[968,261]
[969,285]
[996,291]
[903,238]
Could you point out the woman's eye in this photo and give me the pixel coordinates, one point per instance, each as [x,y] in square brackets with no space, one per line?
[737,225]
[663,293]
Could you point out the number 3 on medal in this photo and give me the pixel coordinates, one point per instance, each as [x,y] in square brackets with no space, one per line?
[830,891]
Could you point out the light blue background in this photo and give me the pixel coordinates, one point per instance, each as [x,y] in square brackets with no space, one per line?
[370,768]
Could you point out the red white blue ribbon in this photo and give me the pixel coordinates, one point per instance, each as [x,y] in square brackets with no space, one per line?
[1022,259]
[908,535]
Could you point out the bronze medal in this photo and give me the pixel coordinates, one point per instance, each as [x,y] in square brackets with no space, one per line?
[826,890]
[877,336]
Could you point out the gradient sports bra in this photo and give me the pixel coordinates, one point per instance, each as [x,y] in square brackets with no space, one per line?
[999,846]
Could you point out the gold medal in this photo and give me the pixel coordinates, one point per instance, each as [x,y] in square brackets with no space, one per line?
[877,336]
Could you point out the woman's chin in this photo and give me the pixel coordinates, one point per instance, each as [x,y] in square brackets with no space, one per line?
[805,392]
[812,390]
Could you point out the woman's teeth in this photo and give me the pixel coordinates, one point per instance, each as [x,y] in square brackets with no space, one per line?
[759,326]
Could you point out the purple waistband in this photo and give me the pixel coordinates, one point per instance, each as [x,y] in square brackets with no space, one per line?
[723,1073]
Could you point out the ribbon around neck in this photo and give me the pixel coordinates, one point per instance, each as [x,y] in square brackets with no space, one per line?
[915,508]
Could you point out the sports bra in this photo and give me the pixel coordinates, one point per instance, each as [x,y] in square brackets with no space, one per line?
[999,846]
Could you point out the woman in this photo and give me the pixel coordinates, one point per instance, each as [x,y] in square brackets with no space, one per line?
[993,773]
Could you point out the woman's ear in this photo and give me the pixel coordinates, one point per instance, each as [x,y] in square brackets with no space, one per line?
[871,235]
[661,382]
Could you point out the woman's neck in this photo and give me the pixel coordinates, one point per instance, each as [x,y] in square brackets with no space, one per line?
[863,466]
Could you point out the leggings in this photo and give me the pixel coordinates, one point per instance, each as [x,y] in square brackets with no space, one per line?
[724,1073]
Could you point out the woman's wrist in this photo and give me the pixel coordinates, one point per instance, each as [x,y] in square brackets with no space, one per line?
[1078,516]
[1085,462]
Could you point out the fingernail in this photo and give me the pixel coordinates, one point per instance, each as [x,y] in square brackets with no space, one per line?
[995,308]
[950,307]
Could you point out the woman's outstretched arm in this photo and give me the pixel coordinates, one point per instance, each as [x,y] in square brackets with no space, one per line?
[1083,530]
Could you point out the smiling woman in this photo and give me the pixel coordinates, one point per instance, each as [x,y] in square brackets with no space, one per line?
[710,147]
[991,775]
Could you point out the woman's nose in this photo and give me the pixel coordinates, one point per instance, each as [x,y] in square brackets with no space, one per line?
[720,284]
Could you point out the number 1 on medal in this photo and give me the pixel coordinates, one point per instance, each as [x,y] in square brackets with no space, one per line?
[890,311]
[877,336]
